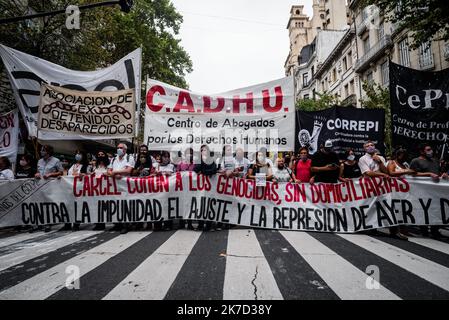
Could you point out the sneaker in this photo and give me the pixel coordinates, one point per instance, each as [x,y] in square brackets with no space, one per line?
[124,230]
[66,227]
[399,236]
[76,227]
[99,226]
[47,229]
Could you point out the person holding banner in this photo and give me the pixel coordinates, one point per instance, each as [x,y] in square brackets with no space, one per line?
[121,165]
[302,167]
[282,173]
[262,165]
[80,165]
[371,164]
[186,164]
[227,165]
[207,167]
[48,167]
[349,168]
[427,166]
[325,164]
[6,173]
[25,169]
[242,163]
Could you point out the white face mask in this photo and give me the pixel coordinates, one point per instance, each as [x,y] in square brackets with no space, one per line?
[351,157]
[23,163]
[261,159]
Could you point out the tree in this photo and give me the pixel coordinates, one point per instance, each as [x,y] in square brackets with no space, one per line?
[106,34]
[426,19]
[325,101]
[378,97]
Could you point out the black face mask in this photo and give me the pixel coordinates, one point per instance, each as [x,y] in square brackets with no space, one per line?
[102,159]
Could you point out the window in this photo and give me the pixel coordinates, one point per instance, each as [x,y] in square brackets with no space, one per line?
[322,85]
[384,70]
[425,55]
[351,87]
[349,59]
[306,96]
[345,64]
[381,31]
[314,94]
[366,45]
[313,71]
[346,91]
[305,77]
[334,75]
[369,77]
[404,53]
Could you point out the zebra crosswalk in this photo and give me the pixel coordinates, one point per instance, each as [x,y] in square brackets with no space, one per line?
[235,264]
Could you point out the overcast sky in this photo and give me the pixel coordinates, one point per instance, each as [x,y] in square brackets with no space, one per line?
[235,43]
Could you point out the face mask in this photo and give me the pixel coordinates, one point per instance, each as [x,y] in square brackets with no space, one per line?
[351,157]
[120,152]
[327,149]
[261,159]
[78,157]
[101,159]
[370,150]
[303,158]
[429,154]
[43,153]
[23,163]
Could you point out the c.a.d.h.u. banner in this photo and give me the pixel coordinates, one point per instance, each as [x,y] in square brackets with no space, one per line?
[419,108]
[356,205]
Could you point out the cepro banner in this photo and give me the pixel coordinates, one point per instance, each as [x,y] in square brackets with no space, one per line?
[419,108]
[355,205]
[258,116]
[27,73]
[90,115]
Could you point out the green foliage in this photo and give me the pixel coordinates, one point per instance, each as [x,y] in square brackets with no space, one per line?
[324,101]
[378,97]
[426,19]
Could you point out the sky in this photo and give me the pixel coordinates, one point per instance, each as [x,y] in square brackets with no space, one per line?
[235,43]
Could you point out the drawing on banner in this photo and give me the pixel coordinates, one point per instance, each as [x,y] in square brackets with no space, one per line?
[310,141]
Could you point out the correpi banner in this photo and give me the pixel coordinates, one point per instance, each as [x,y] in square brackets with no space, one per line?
[89,114]
[27,73]
[347,127]
[419,108]
[9,135]
[258,116]
[355,205]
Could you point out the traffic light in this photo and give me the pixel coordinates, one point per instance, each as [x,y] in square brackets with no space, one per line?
[126,5]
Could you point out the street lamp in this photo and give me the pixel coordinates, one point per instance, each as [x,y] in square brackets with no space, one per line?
[125,6]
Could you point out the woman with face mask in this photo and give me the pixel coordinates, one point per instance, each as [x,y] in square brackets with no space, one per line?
[80,165]
[260,166]
[349,168]
[302,166]
[25,168]
[6,173]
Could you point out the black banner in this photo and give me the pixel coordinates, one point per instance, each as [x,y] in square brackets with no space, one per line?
[419,108]
[347,127]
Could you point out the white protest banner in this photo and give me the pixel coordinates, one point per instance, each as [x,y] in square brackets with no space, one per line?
[355,205]
[90,115]
[258,116]
[27,73]
[9,135]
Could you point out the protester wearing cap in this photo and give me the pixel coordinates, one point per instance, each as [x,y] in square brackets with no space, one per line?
[325,164]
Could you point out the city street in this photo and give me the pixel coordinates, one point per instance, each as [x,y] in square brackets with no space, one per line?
[238,264]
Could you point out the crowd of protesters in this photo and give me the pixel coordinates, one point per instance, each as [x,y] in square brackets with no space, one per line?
[324,166]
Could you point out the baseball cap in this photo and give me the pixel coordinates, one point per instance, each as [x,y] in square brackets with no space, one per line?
[328,144]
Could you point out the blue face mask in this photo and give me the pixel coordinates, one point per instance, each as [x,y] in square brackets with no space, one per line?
[78,157]
[120,152]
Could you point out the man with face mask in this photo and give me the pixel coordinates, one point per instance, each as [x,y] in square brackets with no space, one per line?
[371,164]
[121,165]
[427,166]
[325,164]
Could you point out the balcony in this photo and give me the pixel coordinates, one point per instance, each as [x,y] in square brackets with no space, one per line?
[373,53]
[362,26]
[426,62]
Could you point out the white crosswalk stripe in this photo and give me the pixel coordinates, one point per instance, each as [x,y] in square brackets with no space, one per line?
[35,249]
[50,281]
[21,237]
[152,279]
[424,268]
[247,273]
[347,281]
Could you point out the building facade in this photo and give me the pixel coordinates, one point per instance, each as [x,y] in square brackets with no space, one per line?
[327,15]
